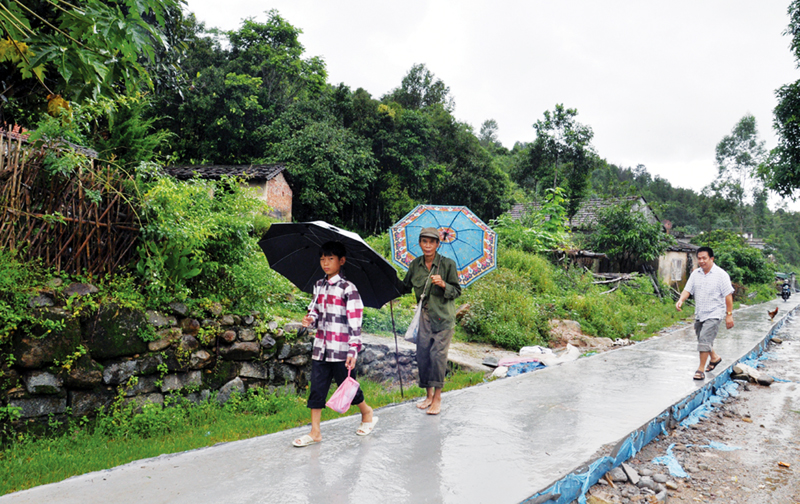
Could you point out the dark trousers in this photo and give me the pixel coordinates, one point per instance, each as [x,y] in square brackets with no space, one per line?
[322,374]
[432,348]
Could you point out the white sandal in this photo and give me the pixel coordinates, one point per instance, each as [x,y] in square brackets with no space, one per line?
[365,429]
[304,440]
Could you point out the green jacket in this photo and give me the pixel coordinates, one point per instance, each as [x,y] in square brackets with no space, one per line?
[441,308]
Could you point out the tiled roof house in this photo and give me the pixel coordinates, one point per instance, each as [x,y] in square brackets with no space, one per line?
[586,216]
[673,267]
[267,179]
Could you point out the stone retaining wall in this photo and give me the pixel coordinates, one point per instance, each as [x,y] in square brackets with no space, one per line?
[189,356]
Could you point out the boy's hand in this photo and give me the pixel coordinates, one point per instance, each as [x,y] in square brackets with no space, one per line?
[350,363]
[307,320]
[437,280]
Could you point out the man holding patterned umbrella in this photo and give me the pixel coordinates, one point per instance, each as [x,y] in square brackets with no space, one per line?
[436,277]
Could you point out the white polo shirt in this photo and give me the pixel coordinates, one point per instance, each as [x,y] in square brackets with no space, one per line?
[709,291]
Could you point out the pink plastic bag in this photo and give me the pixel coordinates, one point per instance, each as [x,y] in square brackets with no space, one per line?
[341,399]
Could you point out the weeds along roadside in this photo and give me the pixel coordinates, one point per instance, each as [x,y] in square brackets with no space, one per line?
[119,436]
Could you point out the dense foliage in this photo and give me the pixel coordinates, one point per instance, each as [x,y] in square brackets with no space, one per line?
[626,236]
[253,95]
[52,52]
[18,283]
[199,239]
[782,170]
[745,264]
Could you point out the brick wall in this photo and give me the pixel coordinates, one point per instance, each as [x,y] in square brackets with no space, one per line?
[277,193]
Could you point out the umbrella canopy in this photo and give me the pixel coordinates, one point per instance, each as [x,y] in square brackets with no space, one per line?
[292,249]
[463,237]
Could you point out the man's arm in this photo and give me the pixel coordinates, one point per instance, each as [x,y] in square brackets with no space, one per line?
[452,287]
[729,311]
[684,296]
[687,291]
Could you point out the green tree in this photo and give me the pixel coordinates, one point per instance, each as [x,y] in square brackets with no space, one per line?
[625,235]
[80,50]
[239,82]
[738,156]
[330,168]
[420,89]
[745,264]
[425,156]
[564,140]
[488,134]
[781,172]
[562,152]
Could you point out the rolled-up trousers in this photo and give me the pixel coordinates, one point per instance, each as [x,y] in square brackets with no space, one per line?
[432,350]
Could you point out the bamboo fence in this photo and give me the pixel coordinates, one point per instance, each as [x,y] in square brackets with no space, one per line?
[58,218]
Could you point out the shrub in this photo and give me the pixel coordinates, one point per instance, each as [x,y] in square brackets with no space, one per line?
[382,244]
[625,234]
[18,282]
[504,312]
[200,239]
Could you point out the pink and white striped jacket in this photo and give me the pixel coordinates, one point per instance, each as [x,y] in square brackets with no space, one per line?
[337,311]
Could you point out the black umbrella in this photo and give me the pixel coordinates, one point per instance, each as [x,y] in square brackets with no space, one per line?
[292,249]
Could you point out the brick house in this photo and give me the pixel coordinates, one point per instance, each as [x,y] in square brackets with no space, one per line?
[267,180]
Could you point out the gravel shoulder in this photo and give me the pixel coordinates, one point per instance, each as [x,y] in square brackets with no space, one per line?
[763,422]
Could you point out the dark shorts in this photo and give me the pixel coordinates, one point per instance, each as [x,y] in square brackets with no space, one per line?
[322,374]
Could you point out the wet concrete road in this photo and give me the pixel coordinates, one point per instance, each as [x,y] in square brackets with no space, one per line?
[499,442]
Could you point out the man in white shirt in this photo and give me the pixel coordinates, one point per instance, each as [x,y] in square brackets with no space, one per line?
[713,296]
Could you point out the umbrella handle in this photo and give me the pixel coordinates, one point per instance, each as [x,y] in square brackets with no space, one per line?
[396,349]
[303,330]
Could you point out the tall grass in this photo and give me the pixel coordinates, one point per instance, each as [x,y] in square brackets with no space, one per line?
[504,311]
[538,273]
[512,307]
[632,311]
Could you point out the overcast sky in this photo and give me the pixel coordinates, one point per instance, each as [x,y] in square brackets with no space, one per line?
[660,83]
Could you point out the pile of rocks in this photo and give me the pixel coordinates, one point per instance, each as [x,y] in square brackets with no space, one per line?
[381,363]
[628,483]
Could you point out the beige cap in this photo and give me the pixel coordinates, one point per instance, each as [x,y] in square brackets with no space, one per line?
[429,232]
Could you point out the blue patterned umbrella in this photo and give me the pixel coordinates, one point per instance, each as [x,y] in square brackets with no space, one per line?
[463,237]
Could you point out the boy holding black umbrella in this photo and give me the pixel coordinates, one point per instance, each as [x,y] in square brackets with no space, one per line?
[336,311]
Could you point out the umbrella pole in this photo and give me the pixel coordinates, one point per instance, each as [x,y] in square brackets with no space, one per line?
[396,350]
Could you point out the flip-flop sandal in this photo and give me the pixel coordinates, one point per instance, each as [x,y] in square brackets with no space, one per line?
[712,365]
[365,429]
[304,440]
[699,375]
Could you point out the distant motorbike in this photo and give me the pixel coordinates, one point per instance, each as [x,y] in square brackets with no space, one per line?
[785,292]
